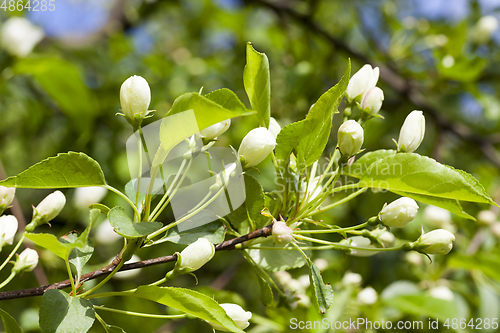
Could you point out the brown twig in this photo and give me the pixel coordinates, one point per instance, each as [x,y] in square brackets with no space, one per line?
[224,246]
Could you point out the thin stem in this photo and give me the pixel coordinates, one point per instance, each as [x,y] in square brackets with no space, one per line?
[347,247]
[109,294]
[73,288]
[139,176]
[340,202]
[112,189]
[13,252]
[346,187]
[167,192]
[7,280]
[174,192]
[106,279]
[104,325]
[138,314]
[168,227]
[326,231]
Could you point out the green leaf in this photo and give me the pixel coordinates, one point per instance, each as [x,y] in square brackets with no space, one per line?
[288,139]
[10,325]
[451,205]
[227,99]
[214,232]
[412,173]
[266,293]
[317,127]
[257,82]
[424,305]
[323,293]
[254,201]
[65,84]
[63,171]
[487,263]
[131,192]
[206,111]
[61,313]
[79,256]
[190,302]
[51,243]
[359,167]
[274,260]
[125,227]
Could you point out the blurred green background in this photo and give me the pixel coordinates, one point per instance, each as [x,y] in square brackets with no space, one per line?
[433,54]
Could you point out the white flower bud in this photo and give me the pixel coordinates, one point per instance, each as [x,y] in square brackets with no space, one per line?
[283,277]
[222,178]
[8,229]
[352,279]
[195,255]
[398,213]
[19,36]
[350,138]
[484,28]
[437,241]
[6,197]
[237,314]
[495,229]
[85,196]
[313,189]
[135,97]
[215,130]
[486,217]
[412,132]
[437,217]
[26,261]
[387,239]
[304,281]
[304,301]
[274,127]
[50,207]
[365,79]
[321,263]
[360,241]
[367,296]
[372,100]
[256,145]
[442,292]
[282,234]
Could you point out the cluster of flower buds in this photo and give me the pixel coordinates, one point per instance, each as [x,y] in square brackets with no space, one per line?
[47,210]
[297,286]
[412,132]
[237,314]
[362,90]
